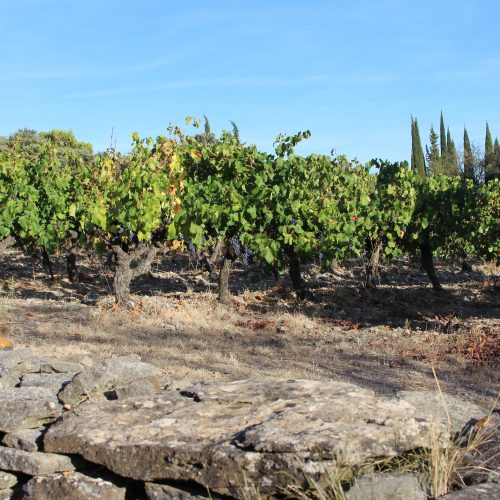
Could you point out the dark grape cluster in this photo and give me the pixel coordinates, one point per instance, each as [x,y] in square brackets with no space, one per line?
[245,255]
[235,243]
[122,229]
[192,248]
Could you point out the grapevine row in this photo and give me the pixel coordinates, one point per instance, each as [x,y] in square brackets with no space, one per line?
[204,192]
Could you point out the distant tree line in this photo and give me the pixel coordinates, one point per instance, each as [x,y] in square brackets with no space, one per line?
[442,157]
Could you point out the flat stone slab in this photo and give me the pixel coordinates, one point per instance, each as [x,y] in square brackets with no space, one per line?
[460,411]
[26,439]
[391,486]
[138,388]
[53,381]
[265,430]
[74,486]
[33,463]
[27,408]
[103,377]
[155,491]
[61,366]
[20,360]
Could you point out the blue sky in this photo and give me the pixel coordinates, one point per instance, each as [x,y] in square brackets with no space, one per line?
[352,72]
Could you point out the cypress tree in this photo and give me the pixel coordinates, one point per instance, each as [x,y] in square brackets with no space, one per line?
[207,137]
[208,130]
[468,157]
[236,132]
[452,164]
[494,172]
[413,162]
[443,140]
[433,157]
[448,139]
[488,153]
[417,153]
[488,143]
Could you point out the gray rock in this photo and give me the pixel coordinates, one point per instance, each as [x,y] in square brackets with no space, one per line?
[155,491]
[6,494]
[431,403]
[391,486]
[33,463]
[103,377]
[142,387]
[485,491]
[266,430]
[27,408]
[61,366]
[8,378]
[85,360]
[74,486]
[7,480]
[52,381]
[26,439]
[20,360]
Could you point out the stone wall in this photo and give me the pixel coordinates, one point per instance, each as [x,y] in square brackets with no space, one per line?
[75,429]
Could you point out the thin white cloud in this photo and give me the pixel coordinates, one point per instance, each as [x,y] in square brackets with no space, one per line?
[249,82]
[62,73]
[203,82]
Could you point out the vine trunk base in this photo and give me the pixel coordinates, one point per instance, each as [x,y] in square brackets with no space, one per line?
[130,265]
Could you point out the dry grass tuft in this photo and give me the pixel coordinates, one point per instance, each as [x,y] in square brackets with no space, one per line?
[446,468]
[330,486]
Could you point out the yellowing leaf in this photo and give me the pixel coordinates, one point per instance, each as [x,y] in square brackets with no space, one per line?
[177,245]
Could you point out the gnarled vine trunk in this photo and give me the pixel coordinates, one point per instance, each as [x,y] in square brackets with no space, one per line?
[374,248]
[47,263]
[130,265]
[71,268]
[225,270]
[428,264]
[298,283]
[6,243]
[210,261]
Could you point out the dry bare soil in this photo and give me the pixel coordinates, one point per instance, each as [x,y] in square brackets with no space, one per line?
[388,339]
